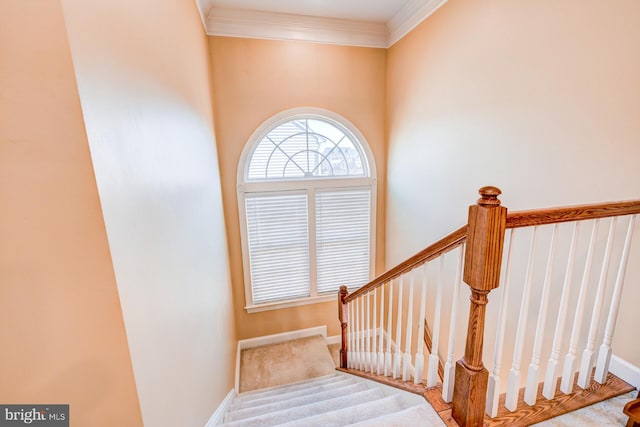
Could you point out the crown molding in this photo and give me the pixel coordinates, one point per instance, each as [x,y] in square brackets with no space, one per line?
[407,18]
[280,26]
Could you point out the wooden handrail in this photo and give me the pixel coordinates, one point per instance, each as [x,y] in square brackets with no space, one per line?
[444,245]
[571,213]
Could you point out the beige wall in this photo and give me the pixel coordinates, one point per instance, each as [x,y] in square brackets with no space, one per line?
[541,99]
[256,79]
[144,81]
[61,328]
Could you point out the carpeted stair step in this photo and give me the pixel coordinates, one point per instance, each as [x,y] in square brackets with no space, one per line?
[246,395]
[295,401]
[419,415]
[314,409]
[352,414]
[242,402]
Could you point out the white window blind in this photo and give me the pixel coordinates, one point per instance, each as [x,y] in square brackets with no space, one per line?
[278,238]
[343,238]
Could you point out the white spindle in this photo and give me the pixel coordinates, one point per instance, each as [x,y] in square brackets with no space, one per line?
[449,366]
[352,348]
[604,355]
[387,354]
[586,366]
[380,367]
[568,369]
[406,368]
[363,339]
[513,384]
[397,360]
[349,353]
[551,377]
[531,389]
[374,335]
[367,363]
[434,358]
[493,387]
[419,368]
[356,333]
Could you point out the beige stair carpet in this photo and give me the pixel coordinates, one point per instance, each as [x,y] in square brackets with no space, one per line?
[335,400]
[284,363]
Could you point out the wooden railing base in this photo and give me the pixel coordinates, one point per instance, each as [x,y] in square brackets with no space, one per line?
[409,386]
[469,412]
[526,415]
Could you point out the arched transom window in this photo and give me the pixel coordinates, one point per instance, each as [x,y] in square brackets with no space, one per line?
[306,197]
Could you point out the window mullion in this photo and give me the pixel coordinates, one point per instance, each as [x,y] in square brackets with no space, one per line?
[313,262]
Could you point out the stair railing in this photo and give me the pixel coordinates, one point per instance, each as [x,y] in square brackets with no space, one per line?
[588,274]
[379,323]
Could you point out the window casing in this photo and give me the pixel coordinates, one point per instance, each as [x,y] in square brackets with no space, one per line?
[306,200]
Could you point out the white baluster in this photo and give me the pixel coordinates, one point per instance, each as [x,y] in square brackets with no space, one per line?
[531,389]
[406,367]
[419,368]
[568,369]
[586,366]
[352,346]
[513,383]
[367,365]
[551,377]
[493,387]
[356,336]
[434,358]
[363,349]
[397,360]
[380,368]
[374,311]
[604,355]
[387,355]
[449,366]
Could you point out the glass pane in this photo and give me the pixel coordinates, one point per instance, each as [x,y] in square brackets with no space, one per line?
[306,148]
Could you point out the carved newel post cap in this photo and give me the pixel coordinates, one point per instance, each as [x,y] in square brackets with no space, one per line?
[343,289]
[489,196]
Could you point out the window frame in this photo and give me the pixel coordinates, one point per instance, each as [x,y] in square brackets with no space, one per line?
[309,186]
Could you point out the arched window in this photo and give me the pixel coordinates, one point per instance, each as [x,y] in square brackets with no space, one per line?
[306,197]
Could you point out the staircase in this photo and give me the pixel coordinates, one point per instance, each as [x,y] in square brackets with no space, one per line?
[332,400]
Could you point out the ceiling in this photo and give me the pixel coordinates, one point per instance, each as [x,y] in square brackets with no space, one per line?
[355,10]
[371,23]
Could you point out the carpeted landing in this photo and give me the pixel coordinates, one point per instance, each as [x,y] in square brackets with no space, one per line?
[284,363]
[333,400]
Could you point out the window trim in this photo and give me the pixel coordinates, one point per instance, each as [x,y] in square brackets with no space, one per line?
[309,186]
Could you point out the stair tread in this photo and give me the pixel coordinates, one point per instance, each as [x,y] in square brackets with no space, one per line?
[314,409]
[352,414]
[419,415]
[292,385]
[316,397]
[243,403]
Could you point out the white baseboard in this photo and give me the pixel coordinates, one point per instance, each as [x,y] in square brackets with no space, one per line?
[334,339]
[216,418]
[274,339]
[625,371]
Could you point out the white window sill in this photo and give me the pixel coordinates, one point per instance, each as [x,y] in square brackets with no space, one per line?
[291,303]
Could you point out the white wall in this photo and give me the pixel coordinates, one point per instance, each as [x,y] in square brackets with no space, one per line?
[541,99]
[143,76]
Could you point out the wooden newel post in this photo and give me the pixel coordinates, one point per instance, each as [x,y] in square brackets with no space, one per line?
[343,315]
[483,259]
